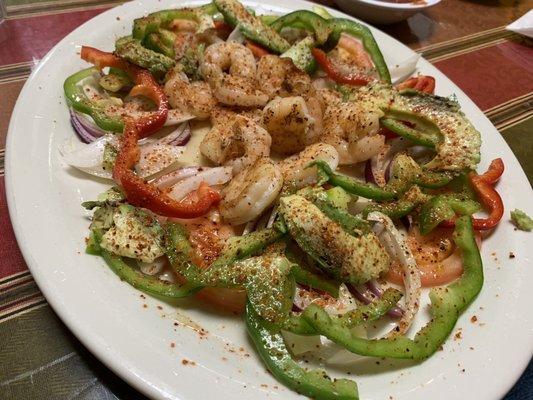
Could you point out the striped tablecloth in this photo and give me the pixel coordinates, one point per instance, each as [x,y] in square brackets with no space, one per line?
[39,357]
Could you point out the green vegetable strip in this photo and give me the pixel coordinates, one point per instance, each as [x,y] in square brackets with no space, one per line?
[351,185]
[522,220]
[146,283]
[322,12]
[271,347]
[343,25]
[433,180]
[447,305]
[133,51]
[77,99]
[307,20]
[350,223]
[394,210]
[444,207]
[142,27]
[252,27]
[416,136]
[364,313]
[314,281]
[372,311]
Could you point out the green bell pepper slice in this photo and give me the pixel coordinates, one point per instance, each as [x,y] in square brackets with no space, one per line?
[444,207]
[307,20]
[424,132]
[405,173]
[78,100]
[349,222]
[400,208]
[351,185]
[314,281]
[316,384]
[127,273]
[343,25]
[364,313]
[447,304]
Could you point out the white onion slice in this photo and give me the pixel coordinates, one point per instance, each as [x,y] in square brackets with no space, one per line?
[396,245]
[88,157]
[178,175]
[213,176]
[404,69]
[152,268]
[156,157]
[179,136]
[333,306]
[176,117]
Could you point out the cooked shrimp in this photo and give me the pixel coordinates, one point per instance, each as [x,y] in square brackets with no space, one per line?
[235,140]
[290,124]
[251,192]
[295,171]
[192,97]
[230,69]
[350,128]
[350,57]
[181,25]
[280,77]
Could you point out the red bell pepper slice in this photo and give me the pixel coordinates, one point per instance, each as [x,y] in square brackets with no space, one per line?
[489,197]
[142,194]
[145,85]
[422,83]
[138,192]
[329,69]
[258,51]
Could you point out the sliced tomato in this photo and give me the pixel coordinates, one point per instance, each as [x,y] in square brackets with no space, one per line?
[207,235]
[436,255]
[422,83]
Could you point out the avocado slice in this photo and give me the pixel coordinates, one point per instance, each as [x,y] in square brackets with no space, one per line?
[352,259]
[135,234]
[252,27]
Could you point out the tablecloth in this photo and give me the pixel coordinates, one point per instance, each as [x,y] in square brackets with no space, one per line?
[39,357]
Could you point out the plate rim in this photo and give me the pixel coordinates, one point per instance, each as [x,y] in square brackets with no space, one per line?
[107,358]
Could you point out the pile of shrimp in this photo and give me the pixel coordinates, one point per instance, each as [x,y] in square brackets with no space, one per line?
[269,120]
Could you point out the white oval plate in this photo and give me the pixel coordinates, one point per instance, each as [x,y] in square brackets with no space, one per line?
[143,345]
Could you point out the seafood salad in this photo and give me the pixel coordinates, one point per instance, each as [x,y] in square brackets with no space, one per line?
[266,165]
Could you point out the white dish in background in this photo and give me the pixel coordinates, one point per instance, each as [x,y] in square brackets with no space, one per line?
[383,12]
[143,345]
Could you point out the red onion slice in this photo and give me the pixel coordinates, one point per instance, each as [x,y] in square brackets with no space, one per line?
[369,173]
[373,286]
[87,131]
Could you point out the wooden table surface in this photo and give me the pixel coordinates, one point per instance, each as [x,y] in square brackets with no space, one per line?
[465,39]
